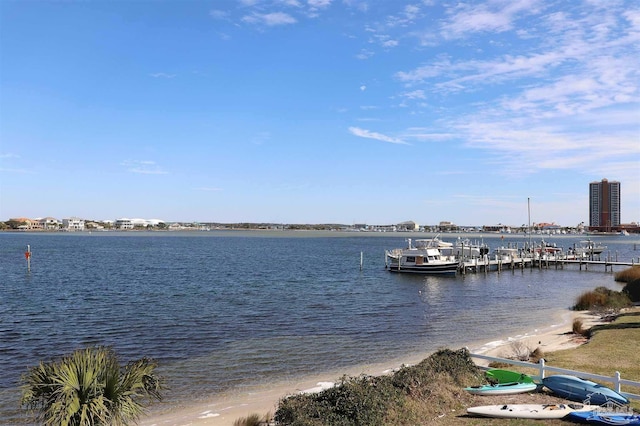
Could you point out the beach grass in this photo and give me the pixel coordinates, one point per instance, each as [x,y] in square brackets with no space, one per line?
[628,275]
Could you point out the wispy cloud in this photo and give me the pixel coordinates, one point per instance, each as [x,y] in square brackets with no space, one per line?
[273,13]
[12,169]
[269,19]
[365,54]
[162,75]
[319,4]
[415,94]
[363,133]
[261,138]
[15,170]
[144,167]
[219,14]
[567,100]
[494,16]
[427,135]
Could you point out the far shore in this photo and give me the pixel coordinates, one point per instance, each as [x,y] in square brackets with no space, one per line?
[224,410]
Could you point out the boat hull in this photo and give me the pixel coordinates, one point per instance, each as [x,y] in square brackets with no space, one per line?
[602,418]
[576,389]
[529,411]
[507,376]
[502,389]
[430,268]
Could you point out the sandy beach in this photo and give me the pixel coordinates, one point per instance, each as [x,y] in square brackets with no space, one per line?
[223,411]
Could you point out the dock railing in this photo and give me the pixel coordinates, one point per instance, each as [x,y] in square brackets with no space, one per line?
[542,368]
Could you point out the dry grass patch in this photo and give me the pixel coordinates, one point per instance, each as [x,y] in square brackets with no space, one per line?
[628,275]
[253,420]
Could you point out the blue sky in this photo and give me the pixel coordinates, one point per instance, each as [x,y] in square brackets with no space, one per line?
[318,111]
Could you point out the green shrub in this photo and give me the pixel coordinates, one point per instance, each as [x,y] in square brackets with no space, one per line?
[362,400]
[602,299]
[457,365]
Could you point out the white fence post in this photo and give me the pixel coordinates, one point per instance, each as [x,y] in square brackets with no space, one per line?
[541,368]
[616,381]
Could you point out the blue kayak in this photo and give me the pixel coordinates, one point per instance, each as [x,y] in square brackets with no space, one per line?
[601,418]
[581,390]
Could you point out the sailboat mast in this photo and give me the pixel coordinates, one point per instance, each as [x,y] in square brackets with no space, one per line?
[529,219]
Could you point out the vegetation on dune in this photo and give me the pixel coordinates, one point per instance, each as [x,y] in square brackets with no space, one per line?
[628,275]
[578,328]
[90,387]
[253,420]
[631,277]
[400,398]
[602,300]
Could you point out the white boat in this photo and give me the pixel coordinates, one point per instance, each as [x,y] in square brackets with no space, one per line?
[529,411]
[421,259]
[546,247]
[434,242]
[470,249]
[588,248]
[506,254]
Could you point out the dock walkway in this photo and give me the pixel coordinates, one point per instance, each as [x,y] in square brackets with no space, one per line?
[487,264]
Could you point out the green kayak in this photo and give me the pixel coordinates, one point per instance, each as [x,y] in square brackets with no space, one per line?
[506,376]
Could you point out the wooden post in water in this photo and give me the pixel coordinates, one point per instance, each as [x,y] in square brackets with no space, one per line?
[27,254]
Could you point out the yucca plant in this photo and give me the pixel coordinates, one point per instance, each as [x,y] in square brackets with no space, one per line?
[90,388]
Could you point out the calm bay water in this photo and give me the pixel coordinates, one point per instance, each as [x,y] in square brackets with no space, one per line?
[223,309]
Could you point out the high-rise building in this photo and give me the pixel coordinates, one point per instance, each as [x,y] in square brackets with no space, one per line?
[604,205]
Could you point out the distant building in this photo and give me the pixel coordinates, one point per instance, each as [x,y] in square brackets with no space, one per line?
[409,225]
[73,224]
[49,223]
[24,223]
[124,223]
[447,226]
[604,205]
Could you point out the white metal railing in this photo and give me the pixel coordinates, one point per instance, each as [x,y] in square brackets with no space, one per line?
[542,368]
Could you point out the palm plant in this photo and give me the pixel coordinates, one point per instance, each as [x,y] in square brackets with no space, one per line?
[89,387]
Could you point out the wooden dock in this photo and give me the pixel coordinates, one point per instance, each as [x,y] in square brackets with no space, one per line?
[486,264]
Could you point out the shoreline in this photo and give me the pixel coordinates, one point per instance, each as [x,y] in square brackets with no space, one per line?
[224,410]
